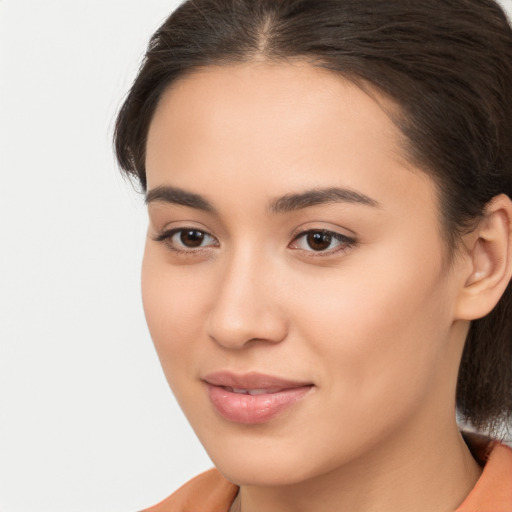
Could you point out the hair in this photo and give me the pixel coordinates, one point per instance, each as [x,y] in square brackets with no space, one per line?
[446,65]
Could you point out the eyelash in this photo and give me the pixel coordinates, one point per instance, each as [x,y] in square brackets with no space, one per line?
[345,242]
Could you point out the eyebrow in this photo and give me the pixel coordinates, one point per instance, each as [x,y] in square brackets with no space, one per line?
[179,196]
[315,197]
[284,204]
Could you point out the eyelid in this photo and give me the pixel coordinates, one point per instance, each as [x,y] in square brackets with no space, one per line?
[324,226]
[163,229]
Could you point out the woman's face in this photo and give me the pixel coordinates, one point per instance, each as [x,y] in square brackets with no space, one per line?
[295,280]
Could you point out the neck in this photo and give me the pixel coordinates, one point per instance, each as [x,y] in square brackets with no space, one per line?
[428,473]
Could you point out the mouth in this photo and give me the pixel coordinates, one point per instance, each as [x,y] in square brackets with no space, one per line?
[253,398]
[252,392]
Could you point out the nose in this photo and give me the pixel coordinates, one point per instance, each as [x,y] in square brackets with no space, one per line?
[247,307]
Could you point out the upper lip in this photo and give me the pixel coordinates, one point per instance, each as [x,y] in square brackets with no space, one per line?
[252,380]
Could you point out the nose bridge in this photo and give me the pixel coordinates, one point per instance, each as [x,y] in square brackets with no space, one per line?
[245,307]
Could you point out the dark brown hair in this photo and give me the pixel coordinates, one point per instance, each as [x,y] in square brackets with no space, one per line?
[447,65]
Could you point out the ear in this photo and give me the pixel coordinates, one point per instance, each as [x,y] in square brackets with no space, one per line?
[490,261]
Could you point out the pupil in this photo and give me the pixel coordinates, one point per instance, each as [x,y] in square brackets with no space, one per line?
[192,238]
[319,241]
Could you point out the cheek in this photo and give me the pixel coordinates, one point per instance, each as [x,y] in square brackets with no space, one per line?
[173,305]
[376,326]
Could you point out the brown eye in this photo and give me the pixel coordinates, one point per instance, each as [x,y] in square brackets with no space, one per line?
[187,240]
[319,240]
[322,241]
[192,238]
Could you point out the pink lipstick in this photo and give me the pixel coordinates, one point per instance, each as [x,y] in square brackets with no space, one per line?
[252,398]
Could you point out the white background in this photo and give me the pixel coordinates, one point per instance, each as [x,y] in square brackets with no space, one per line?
[87,422]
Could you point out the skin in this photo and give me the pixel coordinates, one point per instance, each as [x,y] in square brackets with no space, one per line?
[377,324]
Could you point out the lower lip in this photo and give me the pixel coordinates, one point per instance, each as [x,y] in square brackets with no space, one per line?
[253,409]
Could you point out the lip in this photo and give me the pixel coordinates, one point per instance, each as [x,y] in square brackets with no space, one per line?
[228,393]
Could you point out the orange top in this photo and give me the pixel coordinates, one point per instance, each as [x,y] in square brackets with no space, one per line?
[211,492]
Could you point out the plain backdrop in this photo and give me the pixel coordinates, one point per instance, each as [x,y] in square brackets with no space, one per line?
[87,423]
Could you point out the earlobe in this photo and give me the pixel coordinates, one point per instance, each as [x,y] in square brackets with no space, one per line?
[490,254]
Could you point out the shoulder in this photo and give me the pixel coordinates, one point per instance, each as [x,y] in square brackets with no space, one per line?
[493,491]
[207,492]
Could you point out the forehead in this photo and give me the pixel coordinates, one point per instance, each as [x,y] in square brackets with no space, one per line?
[274,128]
[261,98]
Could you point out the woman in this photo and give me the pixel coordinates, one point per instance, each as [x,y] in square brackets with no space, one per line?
[329,248]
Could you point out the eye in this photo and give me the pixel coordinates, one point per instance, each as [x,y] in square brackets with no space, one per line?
[321,241]
[186,239]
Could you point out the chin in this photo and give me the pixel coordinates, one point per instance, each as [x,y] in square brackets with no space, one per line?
[268,461]
[264,472]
